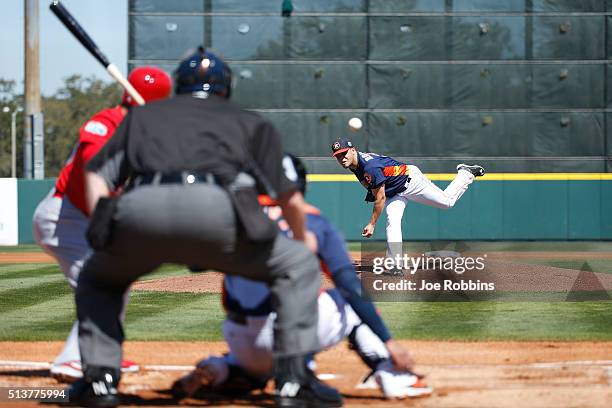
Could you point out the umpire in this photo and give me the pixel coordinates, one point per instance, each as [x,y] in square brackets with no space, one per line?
[192,167]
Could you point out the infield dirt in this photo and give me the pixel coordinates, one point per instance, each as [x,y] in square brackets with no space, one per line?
[483,374]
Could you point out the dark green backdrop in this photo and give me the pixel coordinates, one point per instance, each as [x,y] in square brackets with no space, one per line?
[517,85]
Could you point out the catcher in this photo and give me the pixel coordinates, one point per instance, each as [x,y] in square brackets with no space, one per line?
[343,312]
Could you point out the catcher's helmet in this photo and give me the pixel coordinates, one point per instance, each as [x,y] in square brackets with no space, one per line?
[203,72]
[152,83]
[295,171]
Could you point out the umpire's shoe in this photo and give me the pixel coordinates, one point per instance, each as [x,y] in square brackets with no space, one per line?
[477,171]
[98,388]
[297,386]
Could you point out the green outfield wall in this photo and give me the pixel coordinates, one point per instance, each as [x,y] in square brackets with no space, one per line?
[29,194]
[553,206]
[503,207]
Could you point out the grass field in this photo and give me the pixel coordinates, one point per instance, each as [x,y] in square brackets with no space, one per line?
[37,304]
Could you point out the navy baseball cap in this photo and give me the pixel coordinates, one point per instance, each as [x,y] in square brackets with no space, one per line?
[341,145]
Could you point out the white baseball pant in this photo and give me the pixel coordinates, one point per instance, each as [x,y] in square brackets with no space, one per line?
[421,190]
[251,344]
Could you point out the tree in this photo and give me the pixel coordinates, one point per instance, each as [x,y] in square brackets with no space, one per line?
[10,100]
[64,113]
[67,110]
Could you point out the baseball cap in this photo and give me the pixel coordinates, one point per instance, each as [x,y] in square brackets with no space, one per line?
[341,145]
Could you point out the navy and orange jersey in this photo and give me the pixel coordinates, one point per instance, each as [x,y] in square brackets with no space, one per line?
[375,170]
[253,298]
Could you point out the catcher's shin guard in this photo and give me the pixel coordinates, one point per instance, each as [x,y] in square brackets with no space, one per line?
[357,337]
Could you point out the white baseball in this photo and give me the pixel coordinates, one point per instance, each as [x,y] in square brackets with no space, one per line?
[355,123]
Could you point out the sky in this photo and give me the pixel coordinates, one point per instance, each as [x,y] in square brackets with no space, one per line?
[61,55]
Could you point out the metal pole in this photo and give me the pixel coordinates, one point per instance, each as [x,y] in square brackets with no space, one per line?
[14,144]
[32,82]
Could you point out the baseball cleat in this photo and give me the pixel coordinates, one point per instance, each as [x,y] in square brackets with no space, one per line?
[98,390]
[395,384]
[70,371]
[477,171]
[67,372]
[128,366]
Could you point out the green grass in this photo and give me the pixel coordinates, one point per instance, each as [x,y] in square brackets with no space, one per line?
[37,304]
[479,321]
[593,265]
[174,316]
[165,271]
[186,316]
[21,248]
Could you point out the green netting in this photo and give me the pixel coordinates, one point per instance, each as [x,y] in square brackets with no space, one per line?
[503,134]
[488,5]
[486,86]
[486,38]
[568,86]
[569,5]
[312,133]
[498,82]
[408,85]
[440,38]
[275,37]
[163,6]
[492,85]
[311,86]
[164,37]
[609,37]
[406,6]
[389,6]
[330,38]
[569,37]
[407,38]
[221,6]
[250,37]
[608,143]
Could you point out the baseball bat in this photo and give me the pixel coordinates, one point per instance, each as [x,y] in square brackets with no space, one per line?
[75,28]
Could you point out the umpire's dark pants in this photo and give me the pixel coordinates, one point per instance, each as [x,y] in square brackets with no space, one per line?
[193,225]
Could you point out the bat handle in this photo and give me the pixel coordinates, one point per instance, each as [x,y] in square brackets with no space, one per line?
[115,73]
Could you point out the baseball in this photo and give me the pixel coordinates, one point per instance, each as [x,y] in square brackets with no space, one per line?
[355,123]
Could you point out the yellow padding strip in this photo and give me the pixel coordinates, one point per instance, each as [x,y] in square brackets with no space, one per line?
[486,177]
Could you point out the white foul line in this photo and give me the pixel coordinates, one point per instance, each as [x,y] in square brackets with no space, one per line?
[153,367]
[41,365]
[25,364]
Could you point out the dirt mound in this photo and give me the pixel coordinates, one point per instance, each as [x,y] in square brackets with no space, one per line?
[207,282]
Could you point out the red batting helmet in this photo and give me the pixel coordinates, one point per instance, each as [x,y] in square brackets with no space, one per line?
[152,83]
